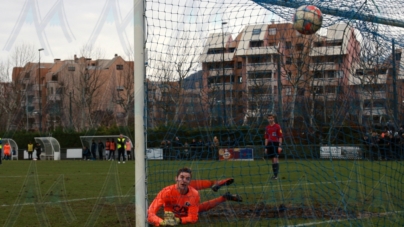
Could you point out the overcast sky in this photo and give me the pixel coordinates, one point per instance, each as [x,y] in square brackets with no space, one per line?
[64,27]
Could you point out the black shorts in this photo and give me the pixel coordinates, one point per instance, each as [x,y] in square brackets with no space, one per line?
[272,150]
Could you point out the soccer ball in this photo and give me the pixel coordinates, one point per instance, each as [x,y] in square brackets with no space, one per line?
[307,19]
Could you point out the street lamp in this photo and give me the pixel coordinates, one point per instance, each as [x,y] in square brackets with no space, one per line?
[223,76]
[39,90]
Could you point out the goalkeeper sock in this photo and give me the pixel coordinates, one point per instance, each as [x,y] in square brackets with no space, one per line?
[275,168]
[201,184]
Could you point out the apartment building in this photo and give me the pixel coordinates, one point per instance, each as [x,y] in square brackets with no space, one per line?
[76,93]
[271,68]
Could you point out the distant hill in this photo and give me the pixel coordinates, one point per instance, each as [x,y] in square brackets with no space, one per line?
[189,82]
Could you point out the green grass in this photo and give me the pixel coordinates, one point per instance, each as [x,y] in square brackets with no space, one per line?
[329,193]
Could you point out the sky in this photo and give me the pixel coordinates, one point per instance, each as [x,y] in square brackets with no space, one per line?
[65,27]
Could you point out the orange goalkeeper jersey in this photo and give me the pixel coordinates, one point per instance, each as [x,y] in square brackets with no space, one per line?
[183,206]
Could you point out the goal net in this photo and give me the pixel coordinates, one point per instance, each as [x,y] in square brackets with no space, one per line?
[215,71]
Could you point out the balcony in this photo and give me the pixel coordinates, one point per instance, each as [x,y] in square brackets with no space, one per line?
[327,51]
[219,72]
[262,98]
[266,66]
[326,97]
[375,111]
[257,51]
[262,82]
[219,86]
[54,97]
[374,95]
[318,66]
[325,81]
[217,57]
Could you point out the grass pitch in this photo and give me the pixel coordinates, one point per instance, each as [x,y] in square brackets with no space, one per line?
[307,193]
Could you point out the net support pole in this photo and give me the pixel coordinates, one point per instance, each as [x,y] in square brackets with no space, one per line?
[140,148]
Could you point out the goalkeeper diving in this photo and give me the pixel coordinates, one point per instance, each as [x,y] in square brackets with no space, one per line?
[181,201]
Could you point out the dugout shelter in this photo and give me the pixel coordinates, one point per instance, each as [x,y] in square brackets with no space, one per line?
[50,147]
[13,145]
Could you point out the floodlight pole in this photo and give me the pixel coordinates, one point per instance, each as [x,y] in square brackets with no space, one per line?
[39,90]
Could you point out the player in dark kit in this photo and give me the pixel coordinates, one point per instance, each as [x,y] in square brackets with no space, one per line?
[273,142]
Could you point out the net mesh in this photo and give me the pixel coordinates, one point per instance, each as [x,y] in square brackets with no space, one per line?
[216,69]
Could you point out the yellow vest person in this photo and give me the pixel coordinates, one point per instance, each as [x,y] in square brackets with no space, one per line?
[30,150]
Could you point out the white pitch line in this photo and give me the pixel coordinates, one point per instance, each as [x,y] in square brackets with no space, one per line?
[341,220]
[62,201]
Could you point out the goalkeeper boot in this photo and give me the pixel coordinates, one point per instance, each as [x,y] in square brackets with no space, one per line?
[233,197]
[219,184]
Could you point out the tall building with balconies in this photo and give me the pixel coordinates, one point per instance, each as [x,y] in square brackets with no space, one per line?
[271,68]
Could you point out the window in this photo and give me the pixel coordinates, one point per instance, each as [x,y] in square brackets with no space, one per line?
[54,77]
[288,60]
[256,31]
[330,89]
[26,76]
[272,31]
[317,74]
[398,56]
[215,51]
[71,68]
[260,59]
[260,74]
[240,65]
[318,90]
[119,67]
[256,43]
[330,74]
[299,47]
[301,91]
[288,45]
[240,79]
[231,50]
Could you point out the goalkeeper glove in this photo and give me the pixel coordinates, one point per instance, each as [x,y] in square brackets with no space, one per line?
[170,219]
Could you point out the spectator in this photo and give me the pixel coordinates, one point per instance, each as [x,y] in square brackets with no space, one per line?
[194,149]
[112,148]
[121,141]
[186,151]
[374,145]
[390,127]
[7,151]
[107,145]
[101,149]
[384,145]
[38,149]
[177,146]
[128,147]
[367,145]
[30,150]
[86,153]
[94,149]
[395,146]
[216,142]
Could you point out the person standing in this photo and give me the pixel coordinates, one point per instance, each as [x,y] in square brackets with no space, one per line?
[101,149]
[107,143]
[30,150]
[273,142]
[38,149]
[128,146]
[121,142]
[112,148]
[7,151]
[93,149]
